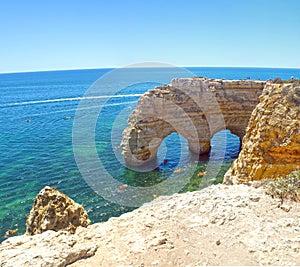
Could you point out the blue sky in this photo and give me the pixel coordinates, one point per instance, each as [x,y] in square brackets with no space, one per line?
[43,35]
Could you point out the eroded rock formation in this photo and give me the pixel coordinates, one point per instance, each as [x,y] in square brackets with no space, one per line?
[271,146]
[195,108]
[53,210]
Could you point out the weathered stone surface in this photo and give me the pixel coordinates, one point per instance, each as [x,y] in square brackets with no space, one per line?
[49,249]
[219,225]
[196,108]
[53,210]
[271,146]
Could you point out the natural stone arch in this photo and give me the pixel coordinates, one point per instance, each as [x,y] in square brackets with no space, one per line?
[190,107]
[146,140]
[140,144]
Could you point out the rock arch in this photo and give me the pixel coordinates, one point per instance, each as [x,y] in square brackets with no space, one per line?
[195,108]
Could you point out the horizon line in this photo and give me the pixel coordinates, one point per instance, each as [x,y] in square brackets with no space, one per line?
[115,67]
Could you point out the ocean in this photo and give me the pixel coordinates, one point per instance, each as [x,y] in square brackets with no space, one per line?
[37,111]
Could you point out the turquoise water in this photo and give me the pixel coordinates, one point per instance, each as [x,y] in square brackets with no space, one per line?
[36,117]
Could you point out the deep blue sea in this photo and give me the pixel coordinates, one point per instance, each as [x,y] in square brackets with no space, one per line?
[37,113]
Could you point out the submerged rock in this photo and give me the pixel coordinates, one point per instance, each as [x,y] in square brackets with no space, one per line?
[53,210]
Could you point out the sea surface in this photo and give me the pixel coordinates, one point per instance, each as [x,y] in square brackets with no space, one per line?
[37,112]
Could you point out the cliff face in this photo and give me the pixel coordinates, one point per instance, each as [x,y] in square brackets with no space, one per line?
[196,108]
[271,146]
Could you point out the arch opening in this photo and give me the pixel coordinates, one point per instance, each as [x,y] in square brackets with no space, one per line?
[232,147]
[174,149]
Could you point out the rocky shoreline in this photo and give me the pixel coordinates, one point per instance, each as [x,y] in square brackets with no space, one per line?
[235,224]
[219,225]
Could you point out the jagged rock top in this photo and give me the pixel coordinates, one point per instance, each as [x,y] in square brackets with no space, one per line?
[53,210]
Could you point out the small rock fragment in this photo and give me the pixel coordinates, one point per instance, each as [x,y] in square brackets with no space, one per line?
[285,207]
[254,198]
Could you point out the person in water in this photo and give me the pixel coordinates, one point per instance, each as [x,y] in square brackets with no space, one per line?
[10,232]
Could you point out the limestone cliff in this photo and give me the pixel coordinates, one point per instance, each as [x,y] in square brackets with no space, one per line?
[196,108]
[271,146]
[53,210]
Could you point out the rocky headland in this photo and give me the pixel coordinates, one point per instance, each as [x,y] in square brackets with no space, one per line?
[237,224]
[196,108]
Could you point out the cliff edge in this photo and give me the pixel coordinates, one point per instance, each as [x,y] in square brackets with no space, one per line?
[219,225]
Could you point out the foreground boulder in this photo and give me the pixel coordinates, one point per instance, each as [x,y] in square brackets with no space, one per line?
[271,146]
[53,210]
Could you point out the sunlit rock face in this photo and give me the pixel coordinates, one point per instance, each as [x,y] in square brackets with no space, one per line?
[271,146]
[53,210]
[195,108]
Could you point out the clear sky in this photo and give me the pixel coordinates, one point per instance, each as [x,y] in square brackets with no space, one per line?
[75,34]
